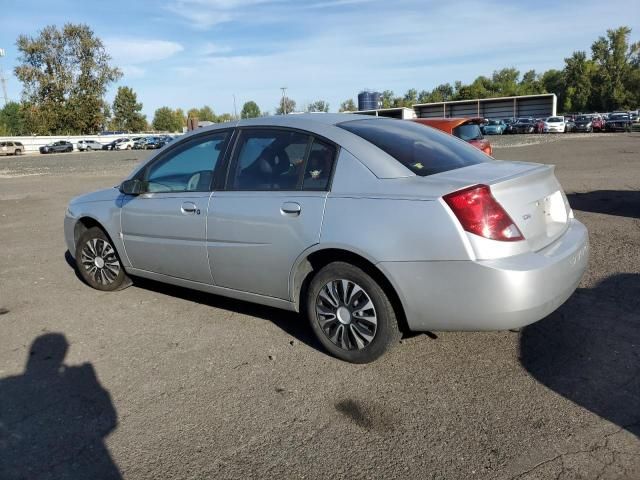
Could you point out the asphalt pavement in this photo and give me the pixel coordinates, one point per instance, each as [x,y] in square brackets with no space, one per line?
[156,381]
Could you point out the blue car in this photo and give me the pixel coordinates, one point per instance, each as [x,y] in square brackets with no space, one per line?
[495,127]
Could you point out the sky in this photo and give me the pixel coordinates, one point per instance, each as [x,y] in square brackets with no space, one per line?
[190,53]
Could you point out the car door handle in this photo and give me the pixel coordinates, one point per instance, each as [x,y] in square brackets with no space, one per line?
[291,208]
[189,208]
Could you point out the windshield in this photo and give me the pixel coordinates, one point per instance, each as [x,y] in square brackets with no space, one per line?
[494,122]
[423,150]
[555,119]
[524,120]
[468,132]
[619,116]
[582,119]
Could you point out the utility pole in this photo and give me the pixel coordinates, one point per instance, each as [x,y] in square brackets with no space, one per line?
[3,80]
[235,111]
[284,103]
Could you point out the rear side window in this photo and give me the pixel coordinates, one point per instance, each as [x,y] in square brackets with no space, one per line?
[468,132]
[269,160]
[423,150]
[319,165]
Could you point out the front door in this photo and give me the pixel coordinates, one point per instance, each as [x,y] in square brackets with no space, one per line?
[164,229]
[271,210]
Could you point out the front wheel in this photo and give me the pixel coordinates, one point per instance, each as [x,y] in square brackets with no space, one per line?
[98,262]
[350,313]
[88,149]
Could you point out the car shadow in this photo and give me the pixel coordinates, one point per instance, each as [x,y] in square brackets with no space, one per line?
[588,350]
[294,324]
[623,203]
[54,418]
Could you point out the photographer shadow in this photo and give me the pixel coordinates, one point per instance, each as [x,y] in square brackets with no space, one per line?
[54,418]
[589,350]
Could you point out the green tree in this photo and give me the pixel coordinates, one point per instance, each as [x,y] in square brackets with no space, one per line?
[505,82]
[287,105]
[64,74]
[577,75]
[165,120]
[250,109]
[318,106]
[180,116]
[193,113]
[12,121]
[348,106]
[225,117]
[613,57]
[387,98]
[206,114]
[127,111]
[410,98]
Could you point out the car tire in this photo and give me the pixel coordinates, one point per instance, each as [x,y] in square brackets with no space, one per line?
[18,152]
[128,147]
[345,328]
[98,262]
[88,149]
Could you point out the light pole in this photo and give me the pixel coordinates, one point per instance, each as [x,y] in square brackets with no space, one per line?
[3,80]
[284,102]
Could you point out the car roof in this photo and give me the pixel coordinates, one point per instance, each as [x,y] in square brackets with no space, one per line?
[326,125]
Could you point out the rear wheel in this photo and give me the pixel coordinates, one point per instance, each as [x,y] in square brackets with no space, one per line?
[18,152]
[88,149]
[98,262]
[351,314]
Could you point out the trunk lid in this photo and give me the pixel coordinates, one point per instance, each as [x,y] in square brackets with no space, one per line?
[528,192]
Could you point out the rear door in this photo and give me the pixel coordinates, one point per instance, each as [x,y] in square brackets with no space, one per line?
[271,209]
[164,229]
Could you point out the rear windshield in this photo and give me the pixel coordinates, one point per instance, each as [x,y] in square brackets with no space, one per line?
[423,150]
[468,132]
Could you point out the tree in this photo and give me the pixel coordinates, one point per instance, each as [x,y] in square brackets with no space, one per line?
[578,71]
[287,105]
[348,106]
[180,117]
[250,109]
[318,106]
[64,75]
[12,120]
[126,111]
[165,120]
[387,98]
[206,114]
[410,98]
[193,113]
[225,117]
[613,57]
[505,82]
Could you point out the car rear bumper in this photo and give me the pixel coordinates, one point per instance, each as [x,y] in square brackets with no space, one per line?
[492,294]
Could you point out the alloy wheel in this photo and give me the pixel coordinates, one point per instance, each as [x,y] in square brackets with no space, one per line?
[346,314]
[100,261]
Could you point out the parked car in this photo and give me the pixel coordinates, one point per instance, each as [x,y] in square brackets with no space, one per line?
[127,143]
[11,148]
[357,221]
[618,122]
[152,143]
[88,145]
[113,145]
[569,125]
[554,125]
[467,129]
[508,122]
[539,125]
[584,123]
[524,125]
[494,127]
[57,147]
[597,123]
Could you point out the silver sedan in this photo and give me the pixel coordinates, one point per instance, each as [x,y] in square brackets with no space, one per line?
[369,226]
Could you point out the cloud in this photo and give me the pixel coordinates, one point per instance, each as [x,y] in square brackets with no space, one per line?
[132,51]
[132,71]
[204,14]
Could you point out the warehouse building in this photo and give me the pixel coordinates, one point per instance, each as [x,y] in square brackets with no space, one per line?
[536,106]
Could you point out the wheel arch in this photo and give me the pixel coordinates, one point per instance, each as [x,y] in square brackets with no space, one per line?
[86,222]
[311,261]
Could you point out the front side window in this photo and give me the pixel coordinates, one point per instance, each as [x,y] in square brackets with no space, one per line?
[269,159]
[188,167]
[423,150]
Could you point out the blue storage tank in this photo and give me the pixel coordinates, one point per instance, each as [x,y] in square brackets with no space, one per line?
[368,100]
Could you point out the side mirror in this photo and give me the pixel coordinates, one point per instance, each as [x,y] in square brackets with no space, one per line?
[131,187]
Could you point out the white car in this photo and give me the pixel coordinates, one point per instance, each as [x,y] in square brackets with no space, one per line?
[126,143]
[554,125]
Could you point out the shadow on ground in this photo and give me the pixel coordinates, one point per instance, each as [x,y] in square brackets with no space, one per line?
[292,323]
[623,203]
[589,350]
[54,418]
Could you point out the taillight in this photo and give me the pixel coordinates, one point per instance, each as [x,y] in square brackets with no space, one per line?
[480,213]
